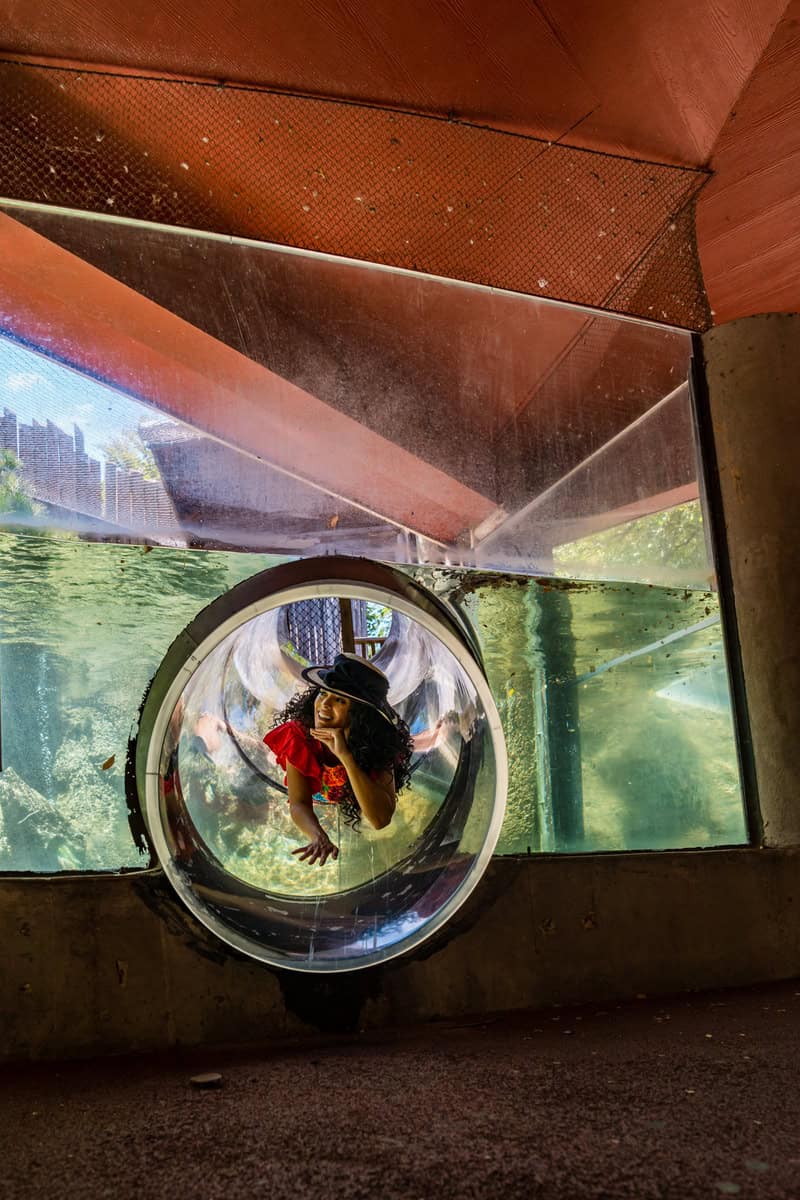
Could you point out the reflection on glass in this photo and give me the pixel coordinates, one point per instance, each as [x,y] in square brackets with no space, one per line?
[496,426]
[79,452]
[227,816]
[662,544]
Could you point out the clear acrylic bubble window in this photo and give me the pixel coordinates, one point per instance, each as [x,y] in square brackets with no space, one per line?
[215,799]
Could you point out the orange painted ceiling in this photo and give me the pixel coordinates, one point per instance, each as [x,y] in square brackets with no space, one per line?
[405,155]
[748,218]
[647,79]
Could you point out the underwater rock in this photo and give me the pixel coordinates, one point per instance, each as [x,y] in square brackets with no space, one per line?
[88,799]
[34,835]
[210,1079]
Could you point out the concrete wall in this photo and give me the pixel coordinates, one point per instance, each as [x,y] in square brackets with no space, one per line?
[753,375]
[109,963]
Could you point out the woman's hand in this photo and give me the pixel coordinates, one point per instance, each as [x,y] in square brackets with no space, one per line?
[301,806]
[319,850]
[334,739]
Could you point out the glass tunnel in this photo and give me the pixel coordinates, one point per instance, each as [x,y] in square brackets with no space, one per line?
[215,801]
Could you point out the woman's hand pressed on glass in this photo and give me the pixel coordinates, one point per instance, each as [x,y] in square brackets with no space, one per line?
[319,850]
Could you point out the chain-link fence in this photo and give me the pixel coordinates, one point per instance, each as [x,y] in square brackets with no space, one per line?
[322,628]
[315,629]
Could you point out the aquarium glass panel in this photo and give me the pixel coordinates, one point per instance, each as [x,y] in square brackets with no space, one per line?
[180,410]
[616,709]
[614,701]
[83,629]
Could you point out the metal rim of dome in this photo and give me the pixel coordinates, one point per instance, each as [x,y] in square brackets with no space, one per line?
[304,579]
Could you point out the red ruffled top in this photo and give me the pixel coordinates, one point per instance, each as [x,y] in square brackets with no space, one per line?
[293,743]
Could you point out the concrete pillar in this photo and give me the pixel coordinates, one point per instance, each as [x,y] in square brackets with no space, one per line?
[753,375]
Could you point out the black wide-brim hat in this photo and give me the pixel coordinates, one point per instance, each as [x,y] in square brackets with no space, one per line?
[357,679]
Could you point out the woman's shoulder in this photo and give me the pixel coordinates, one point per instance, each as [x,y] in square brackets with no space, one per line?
[288,734]
[292,743]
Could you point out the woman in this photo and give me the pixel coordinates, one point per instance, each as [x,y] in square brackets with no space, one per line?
[341,743]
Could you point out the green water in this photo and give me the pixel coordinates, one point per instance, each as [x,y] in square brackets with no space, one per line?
[83,628]
[616,710]
[638,754]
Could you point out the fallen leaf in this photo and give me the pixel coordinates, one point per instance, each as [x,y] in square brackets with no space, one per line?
[109,762]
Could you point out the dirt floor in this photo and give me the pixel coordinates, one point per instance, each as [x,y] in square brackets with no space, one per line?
[696,1096]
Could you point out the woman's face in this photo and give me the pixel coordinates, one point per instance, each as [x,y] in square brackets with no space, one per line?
[332,711]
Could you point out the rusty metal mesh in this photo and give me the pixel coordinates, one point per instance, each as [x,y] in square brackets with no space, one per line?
[666,279]
[388,187]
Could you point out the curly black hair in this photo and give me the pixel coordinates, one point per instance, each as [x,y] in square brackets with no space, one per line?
[375,743]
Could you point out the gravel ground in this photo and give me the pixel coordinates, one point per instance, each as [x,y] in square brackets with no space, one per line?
[694,1096]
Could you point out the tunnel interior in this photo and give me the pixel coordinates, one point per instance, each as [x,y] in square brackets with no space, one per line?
[215,800]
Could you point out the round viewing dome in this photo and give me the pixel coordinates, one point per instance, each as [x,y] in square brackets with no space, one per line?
[215,802]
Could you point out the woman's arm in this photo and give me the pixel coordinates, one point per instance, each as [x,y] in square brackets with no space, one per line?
[376,797]
[301,807]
